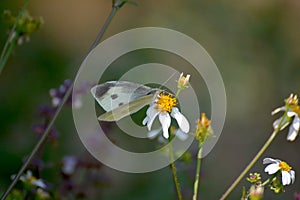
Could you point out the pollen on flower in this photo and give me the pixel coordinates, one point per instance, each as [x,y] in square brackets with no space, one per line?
[165,103]
[284,166]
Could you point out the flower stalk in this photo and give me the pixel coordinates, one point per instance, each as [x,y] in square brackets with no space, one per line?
[203,133]
[278,125]
[197,176]
[174,172]
[250,165]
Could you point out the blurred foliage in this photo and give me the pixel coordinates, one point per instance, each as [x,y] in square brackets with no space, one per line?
[255,45]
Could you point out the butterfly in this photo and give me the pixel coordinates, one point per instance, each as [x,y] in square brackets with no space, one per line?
[122,98]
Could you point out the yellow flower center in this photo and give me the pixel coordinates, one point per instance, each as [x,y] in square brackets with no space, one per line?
[296,109]
[284,166]
[165,103]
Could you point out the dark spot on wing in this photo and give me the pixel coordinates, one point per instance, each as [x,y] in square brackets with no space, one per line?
[120,104]
[114,96]
[102,89]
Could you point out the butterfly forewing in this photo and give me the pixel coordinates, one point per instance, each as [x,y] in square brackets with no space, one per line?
[113,94]
[122,98]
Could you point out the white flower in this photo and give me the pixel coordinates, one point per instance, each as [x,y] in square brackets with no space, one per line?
[287,174]
[292,110]
[164,105]
[28,178]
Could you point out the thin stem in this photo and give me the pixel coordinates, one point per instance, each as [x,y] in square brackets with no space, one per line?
[249,166]
[11,46]
[196,183]
[177,93]
[174,172]
[7,49]
[270,179]
[47,130]
[112,13]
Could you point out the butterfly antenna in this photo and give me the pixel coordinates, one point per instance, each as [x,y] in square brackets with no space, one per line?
[167,80]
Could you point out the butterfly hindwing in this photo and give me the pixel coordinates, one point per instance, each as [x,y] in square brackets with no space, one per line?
[127,109]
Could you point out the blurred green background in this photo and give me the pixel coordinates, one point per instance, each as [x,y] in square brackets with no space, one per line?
[255,44]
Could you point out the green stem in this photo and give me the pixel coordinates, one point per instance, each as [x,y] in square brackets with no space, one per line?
[9,44]
[47,130]
[177,93]
[270,179]
[249,166]
[10,48]
[174,172]
[196,183]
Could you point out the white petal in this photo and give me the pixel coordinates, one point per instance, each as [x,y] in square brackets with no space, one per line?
[286,178]
[284,123]
[181,135]
[39,183]
[270,160]
[145,120]
[291,114]
[292,174]
[292,134]
[296,123]
[153,134]
[28,174]
[165,121]
[181,120]
[276,123]
[272,168]
[277,110]
[151,113]
[294,129]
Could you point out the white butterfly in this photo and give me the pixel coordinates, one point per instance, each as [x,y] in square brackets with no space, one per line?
[122,98]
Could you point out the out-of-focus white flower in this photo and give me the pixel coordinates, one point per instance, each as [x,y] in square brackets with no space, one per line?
[42,194]
[69,164]
[291,117]
[30,179]
[275,165]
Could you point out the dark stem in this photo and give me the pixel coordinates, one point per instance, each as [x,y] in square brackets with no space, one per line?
[68,93]
[174,172]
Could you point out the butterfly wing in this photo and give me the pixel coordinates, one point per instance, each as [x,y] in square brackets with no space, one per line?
[127,109]
[113,94]
[121,98]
